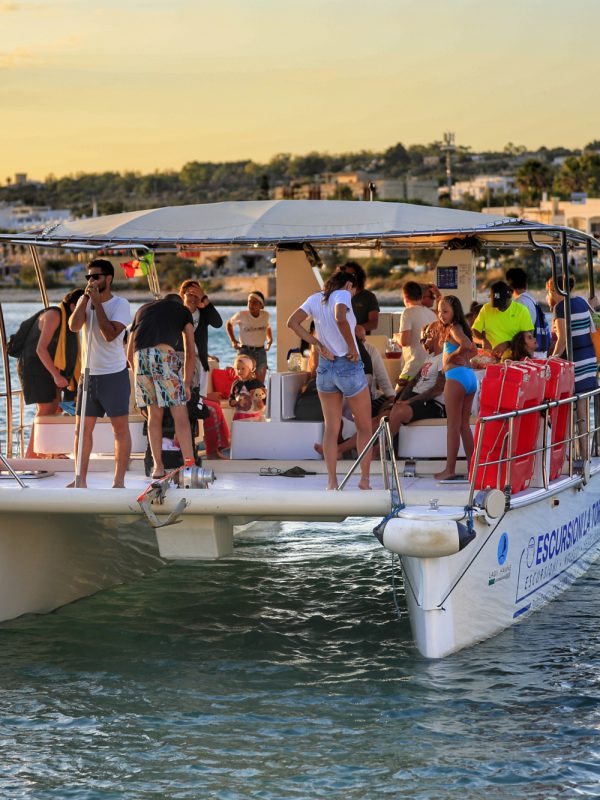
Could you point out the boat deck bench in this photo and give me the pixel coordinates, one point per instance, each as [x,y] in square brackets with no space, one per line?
[426,439]
[56,434]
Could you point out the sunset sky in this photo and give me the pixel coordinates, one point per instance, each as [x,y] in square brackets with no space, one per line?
[145,85]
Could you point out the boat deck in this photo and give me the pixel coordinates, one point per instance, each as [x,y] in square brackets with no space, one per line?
[242,489]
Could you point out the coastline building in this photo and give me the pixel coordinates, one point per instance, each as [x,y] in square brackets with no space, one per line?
[357,185]
[580,212]
[484,187]
[16,217]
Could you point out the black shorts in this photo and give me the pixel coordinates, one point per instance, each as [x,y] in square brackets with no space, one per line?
[38,385]
[107,394]
[427,409]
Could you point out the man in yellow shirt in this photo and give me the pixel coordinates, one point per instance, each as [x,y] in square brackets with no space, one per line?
[500,320]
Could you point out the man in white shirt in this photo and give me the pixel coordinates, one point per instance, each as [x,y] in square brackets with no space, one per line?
[109,387]
[414,318]
[380,386]
[426,401]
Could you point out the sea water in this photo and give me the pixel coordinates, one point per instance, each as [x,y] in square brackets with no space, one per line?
[286,671]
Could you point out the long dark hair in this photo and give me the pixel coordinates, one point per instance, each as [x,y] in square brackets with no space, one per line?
[71,298]
[355,267]
[337,281]
[517,347]
[458,315]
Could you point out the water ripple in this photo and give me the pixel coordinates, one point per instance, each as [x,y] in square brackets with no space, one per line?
[284,672]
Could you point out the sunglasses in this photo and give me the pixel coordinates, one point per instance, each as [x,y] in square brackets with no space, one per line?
[93,276]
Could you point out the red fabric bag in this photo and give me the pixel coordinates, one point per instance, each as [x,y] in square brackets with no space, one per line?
[222,381]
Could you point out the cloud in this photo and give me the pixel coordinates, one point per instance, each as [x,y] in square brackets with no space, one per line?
[16,58]
[12,7]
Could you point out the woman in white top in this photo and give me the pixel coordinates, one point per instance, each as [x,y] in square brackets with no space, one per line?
[340,374]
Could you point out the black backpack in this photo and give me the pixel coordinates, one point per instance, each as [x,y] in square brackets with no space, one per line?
[16,342]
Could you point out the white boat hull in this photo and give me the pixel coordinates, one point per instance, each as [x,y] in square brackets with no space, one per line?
[58,545]
[48,560]
[512,567]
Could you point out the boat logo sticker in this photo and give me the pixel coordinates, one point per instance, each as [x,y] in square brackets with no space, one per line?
[503,548]
[530,552]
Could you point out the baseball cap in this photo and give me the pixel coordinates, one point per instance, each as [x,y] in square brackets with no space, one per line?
[501,294]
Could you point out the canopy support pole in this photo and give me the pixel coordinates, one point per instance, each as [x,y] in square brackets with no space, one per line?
[39,272]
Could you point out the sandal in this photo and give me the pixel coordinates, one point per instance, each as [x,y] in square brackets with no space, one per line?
[296,472]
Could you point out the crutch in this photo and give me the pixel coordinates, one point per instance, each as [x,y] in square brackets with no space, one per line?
[84,397]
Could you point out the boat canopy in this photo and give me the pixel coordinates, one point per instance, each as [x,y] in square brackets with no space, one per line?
[273,223]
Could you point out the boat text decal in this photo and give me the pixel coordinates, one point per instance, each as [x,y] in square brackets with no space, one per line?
[551,553]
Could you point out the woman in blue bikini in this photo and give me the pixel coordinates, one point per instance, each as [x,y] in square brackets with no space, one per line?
[461,383]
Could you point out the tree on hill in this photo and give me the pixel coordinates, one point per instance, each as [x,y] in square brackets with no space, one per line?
[534,177]
[579,174]
[395,161]
[308,165]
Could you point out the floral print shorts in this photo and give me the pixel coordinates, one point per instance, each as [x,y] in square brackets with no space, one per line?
[159,378]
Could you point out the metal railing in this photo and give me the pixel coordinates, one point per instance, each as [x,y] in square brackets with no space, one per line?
[13,432]
[382,435]
[574,440]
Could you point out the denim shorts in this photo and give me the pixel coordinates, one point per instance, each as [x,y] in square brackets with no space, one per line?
[341,375]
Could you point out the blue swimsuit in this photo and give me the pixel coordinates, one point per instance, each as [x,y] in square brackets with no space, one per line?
[464,375]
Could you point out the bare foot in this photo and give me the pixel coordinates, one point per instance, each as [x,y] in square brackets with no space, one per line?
[216,454]
[443,476]
[82,485]
[364,484]
[118,486]
[332,488]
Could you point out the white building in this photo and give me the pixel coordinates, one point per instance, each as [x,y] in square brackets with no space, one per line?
[483,187]
[18,218]
[583,213]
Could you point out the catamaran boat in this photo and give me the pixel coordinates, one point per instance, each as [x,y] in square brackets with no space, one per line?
[476,557]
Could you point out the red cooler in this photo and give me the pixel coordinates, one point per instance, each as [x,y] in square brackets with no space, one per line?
[527,431]
[510,386]
[560,384]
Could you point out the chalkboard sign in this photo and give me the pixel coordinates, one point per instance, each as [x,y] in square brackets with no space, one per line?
[447,278]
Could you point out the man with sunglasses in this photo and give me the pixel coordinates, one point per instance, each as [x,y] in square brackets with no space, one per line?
[109,386]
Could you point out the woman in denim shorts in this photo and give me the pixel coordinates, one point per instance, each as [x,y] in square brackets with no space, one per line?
[340,374]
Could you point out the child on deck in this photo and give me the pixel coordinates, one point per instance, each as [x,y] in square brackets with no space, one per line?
[523,345]
[255,335]
[248,394]
[461,383]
